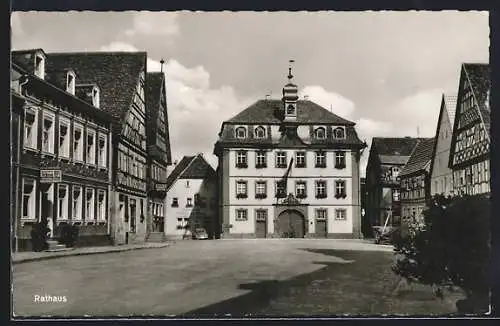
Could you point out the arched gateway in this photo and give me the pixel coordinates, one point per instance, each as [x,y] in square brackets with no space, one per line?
[291,221]
[291,224]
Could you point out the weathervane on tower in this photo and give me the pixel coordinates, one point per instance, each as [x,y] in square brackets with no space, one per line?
[290,76]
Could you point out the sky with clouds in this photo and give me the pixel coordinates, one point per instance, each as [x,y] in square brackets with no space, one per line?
[385,71]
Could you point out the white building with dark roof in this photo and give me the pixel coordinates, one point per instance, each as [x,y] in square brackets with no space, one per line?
[441,175]
[191,198]
[288,168]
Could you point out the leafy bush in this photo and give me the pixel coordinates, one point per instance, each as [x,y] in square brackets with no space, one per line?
[69,235]
[39,233]
[450,248]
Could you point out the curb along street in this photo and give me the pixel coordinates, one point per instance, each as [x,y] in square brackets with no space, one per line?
[83,251]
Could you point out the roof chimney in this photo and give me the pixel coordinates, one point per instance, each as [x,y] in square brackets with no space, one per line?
[161,63]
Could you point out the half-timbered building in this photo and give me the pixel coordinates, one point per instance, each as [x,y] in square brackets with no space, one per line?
[383,191]
[415,181]
[159,154]
[121,77]
[470,144]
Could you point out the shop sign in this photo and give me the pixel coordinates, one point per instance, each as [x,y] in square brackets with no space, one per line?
[50,176]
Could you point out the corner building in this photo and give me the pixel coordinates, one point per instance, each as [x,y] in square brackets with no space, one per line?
[288,168]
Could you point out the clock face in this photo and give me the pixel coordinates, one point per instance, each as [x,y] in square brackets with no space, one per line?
[290,109]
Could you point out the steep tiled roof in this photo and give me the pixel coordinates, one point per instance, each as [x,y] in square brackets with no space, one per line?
[479,76]
[179,168]
[198,169]
[267,111]
[191,167]
[115,73]
[391,146]
[450,103]
[420,158]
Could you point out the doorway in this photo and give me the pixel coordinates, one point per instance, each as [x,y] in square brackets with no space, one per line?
[47,207]
[291,224]
[321,228]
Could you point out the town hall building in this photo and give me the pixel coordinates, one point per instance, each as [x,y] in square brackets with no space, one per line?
[288,168]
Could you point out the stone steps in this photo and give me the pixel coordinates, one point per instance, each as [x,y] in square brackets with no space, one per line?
[55,246]
[156,237]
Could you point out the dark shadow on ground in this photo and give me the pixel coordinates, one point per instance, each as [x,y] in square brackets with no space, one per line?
[359,287]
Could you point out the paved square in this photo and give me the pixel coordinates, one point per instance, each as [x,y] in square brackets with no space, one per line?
[237,277]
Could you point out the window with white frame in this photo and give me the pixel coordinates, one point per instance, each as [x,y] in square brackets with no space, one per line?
[260,159]
[95,97]
[241,214]
[260,189]
[90,146]
[320,159]
[281,160]
[101,205]
[300,189]
[300,159]
[189,202]
[62,202]
[321,189]
[340,214]
[260,132]
[70,82]
[241,132]
[320,133]
[103,151]
[241,189]
[321,214]
[340,190]
[89,204]
[77,203]
[339,133]
[48,133]
[78,143]
[339,159]
[175,202]
[39,66]
[64,126]
[30,128]
[29,193]
[261,214]
[241,159]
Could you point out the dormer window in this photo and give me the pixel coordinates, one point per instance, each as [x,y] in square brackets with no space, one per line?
[40,65]
[320,133]
[339,133]
[260,132]
[95,97]
[70,82]
[241,132]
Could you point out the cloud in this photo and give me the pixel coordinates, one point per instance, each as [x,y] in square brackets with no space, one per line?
[415,113]
[339,104]
[118,47]
[195,109]
[154,24]
[367,129]
[15,25]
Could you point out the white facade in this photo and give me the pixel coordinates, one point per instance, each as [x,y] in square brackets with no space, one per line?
[308,174]
[442,176]
[182,208]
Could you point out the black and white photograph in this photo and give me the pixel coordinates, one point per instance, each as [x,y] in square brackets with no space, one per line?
[246,164]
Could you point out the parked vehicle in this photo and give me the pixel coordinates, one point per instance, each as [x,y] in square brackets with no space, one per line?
[200,234]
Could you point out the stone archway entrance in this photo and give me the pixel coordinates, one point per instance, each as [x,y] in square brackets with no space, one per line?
[291,224]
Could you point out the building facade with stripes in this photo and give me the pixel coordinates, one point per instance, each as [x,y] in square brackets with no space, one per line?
[288,168]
